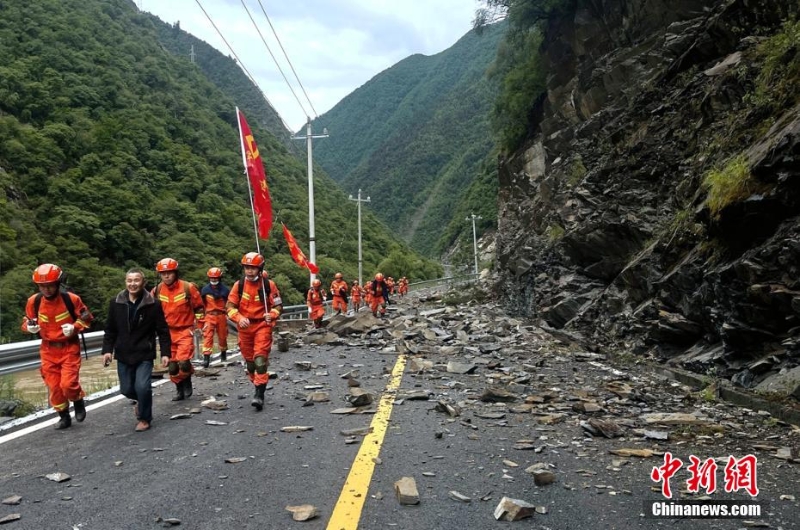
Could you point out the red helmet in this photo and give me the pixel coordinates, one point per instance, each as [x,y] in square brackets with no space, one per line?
[316,283]
[253,259]
[47,273]
[379,277]
[214,272]
[166,265]
[337,276]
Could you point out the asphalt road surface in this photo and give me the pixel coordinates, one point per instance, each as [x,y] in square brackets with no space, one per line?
[177,471]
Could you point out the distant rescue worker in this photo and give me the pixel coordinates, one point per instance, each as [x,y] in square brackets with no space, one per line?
[183,308]
[339,290]
[315,301]
[255,305]
[368,294]
[403,286]
[134,322]
[380,295]
[58,316]
[390,285]
[215,295]
[355,296]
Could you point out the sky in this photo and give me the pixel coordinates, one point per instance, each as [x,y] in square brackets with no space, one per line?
[335,46]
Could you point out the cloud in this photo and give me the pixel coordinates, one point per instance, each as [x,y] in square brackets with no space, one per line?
[335,46]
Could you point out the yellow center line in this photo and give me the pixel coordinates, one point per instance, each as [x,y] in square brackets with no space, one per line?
[347,512]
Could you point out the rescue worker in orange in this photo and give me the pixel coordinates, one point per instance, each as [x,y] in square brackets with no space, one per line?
[49,314]
[183,308]
[339,292]
[215,295]
[403,286]
[390,284]
[315,300]
[255,305]
[380,295]
[368,294]
[355,296]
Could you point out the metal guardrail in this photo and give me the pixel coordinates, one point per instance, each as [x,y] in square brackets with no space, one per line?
[21,356]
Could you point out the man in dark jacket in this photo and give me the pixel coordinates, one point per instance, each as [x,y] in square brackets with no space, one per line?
[134,322]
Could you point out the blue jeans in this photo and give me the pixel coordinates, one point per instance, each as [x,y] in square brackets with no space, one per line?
[134,383]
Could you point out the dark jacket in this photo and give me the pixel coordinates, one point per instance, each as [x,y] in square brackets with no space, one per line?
[133,341]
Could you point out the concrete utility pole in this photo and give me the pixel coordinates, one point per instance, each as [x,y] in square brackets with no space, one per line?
[359,200]
[191,54]
[312,245]
[474,239]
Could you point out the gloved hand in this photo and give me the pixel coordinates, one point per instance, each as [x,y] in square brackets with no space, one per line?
[68,329]
[33,328]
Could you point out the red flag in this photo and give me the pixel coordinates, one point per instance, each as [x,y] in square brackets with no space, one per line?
[297,254]
[262,204]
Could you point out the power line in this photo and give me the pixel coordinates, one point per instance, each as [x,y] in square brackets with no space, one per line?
[273,58]
[316,114]
[242,65]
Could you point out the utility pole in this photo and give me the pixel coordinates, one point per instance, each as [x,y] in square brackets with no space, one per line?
[474,239]
[312,244]
[359,200]
[191,54]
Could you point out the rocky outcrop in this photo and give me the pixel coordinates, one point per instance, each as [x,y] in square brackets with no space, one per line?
[604,227]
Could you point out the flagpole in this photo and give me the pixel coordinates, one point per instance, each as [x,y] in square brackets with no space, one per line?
[247,178]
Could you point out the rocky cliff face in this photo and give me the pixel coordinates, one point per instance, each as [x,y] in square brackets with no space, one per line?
[606,227]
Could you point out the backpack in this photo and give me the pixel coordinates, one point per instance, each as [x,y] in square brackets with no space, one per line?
[71,308]
[186,290]
[265,288]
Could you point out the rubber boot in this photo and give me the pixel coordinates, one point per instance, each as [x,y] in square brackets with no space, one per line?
[80,410]
[223,355]
[206,361]
[187,386]
[258,398]
[179,395]
[65,420]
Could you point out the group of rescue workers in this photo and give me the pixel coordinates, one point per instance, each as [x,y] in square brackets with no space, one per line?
[169,314]
[375,294]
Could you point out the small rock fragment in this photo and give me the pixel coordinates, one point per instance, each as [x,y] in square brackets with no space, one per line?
[406,491]
[459,496]
[57,477]
[513,509]
[303,512]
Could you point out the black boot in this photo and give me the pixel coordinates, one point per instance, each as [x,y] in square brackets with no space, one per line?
[179,395]
[187,386]
[80,410]
[65,420]
[258,398]
[223,355]
[206,361]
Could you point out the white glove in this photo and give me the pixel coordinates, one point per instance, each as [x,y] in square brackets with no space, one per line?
[33,328]
[67,329]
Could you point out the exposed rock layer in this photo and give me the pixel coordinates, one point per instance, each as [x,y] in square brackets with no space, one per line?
[603,224]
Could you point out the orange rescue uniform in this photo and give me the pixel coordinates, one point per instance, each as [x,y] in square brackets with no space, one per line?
[256,339]
[181,313]
[338,300]
[314,300]
[216,321]
[60,355]
[355,297]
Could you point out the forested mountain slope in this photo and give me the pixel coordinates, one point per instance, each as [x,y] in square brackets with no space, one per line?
[114,153]
[416,138]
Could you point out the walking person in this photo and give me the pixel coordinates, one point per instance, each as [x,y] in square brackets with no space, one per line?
[339,292]
[135,322]
[380,295]
[355,296]
[215,295]
[315,300]
[58,316]
[183,308]
[255,305]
